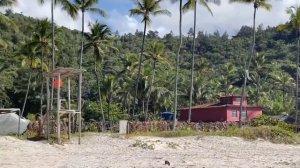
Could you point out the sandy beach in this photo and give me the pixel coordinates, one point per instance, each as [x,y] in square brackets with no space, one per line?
[103,150]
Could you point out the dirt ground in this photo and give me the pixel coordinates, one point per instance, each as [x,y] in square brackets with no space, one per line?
[103,150]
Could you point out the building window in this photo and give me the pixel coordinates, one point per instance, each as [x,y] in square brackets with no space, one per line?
[244,114]
[234,113]
[238,99]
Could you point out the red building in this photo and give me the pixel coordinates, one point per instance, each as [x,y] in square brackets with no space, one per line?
[228,109]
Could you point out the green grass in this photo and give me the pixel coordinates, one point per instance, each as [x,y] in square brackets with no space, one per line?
[273,134]
[166,134]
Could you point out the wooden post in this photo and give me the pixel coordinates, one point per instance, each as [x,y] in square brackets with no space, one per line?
[69,107]
[58,109]
[79,105]
[19,124]
[48,108]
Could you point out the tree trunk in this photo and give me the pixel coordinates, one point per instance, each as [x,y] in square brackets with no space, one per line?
[42,85]
[193,64]
[297,77]
[53,54]
[139,71]
[244,94]
[150,89]
[177,65]
[99,94]
[82,38]
[27,91]
[108,108]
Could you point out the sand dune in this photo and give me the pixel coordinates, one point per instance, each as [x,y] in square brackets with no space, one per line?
[102,150]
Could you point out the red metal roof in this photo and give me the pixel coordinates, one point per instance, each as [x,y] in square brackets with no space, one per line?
[215,105]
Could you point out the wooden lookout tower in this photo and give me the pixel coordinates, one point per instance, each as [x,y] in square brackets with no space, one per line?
[56,77]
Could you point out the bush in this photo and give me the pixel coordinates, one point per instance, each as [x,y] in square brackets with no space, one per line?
[264,120]
[31,117]
[274,134]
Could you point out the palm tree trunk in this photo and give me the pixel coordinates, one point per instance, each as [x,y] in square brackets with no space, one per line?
[82,37]
[99,94]
[53,55]
[27,91]
[244,94]
[193,64]
[283,95]
[150,89]
[108,108]
[177,65]
[140,66]
[297,77]
[42,86]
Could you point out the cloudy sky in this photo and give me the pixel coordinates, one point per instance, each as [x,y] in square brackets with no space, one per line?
[227,17]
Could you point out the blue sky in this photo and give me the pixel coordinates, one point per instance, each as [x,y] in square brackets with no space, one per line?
[227,17]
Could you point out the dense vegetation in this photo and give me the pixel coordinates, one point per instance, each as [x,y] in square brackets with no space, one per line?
[219,64]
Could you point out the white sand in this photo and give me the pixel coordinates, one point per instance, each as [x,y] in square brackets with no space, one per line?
[99,150]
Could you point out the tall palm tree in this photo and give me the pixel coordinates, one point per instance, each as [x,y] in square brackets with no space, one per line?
[145,8]
[192,4]
[294,24]
[177,64]
[86,6]
[41,41]
[256,4]
[98,40]
[72,11]
[157,53]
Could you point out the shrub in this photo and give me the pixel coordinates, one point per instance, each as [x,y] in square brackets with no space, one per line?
[264,120]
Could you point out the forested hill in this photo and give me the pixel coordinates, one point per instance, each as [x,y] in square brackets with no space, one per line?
[218,68]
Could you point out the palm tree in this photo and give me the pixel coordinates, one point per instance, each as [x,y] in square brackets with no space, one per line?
[98,40]
[41,41]
[257,4]
[294,24]
[156,53]
[72,11]
[192,4]
[145,8]
[284,80]
[86,6]
[177,65]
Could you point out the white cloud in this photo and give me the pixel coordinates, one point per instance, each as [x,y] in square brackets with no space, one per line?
[227,17]
[34,9]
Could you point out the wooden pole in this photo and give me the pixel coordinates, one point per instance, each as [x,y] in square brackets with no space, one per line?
[48,108]
[58,109]
[79,106]
[69,107]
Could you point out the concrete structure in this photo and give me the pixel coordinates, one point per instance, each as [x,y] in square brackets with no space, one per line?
[228,109]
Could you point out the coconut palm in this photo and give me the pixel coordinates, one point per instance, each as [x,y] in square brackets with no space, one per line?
[41,41]
[192,4]
[256,4]
[156,52]
[145,8]
[86,6]
[294,24]
[98,40]
[177,64]
[71,9]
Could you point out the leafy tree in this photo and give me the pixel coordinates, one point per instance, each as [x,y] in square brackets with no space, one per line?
[192,4]
[145,8]
[86,6]
[257,4]
[156,52]
[98,40]
[294,24]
